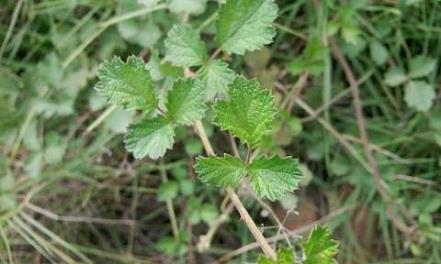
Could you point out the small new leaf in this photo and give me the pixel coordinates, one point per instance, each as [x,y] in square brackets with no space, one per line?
[249,112]
[167,191]
[378,52]
[150,137]
[274,177]
[126,84]
[320,248]
[245,25]
[395,76]
[421,66]
[284,256]
[184,47]
[419,95]
[185,102]
[221,171]
[215,78]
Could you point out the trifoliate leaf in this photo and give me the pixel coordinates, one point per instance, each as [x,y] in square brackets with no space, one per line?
[245,25]
[150,137]
[378,52]
[395,76]
[220,171]
[185,102]
[184,47]
[419,95]
[215,78]
[249,112]
[320,248]
[421,66]
[273,177]
[284,256]
[193,7]
[126,84]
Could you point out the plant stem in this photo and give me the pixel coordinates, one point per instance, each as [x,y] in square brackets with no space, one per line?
[100,119]
[379,184]
[169,203]
[249,222]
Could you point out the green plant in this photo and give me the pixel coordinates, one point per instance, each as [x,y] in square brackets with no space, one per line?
[418,93]
[319,248]
[240,105]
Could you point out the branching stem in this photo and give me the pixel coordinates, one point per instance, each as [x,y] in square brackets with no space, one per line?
[249,222]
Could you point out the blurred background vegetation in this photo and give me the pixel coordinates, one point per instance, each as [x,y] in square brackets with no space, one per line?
[70,192]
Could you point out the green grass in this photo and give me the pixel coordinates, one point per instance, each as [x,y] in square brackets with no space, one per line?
[70,192]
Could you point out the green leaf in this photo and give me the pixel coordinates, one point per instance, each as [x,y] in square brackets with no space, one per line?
[395,76]
[209,213]
[284,256]
[119,120]
[215,78]
[245,25]
[55,148]
[126,84]
[167,191]
[419,95]
[351,34]
[140,30]
[378,52]
[150,137]
[186,187]
[421,66]
[185,102]
[249,112]
[320,248]
[220,171]
[184,47]
[194,7]
[274,177]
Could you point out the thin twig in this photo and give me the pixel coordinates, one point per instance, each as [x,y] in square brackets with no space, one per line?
[296,90]
[263,243]
[293,233]
[379,184]
[169,204]
[77,219]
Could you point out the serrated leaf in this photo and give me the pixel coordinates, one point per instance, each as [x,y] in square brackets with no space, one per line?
[419,95]
[245,25]
[126,84]
[395,76]
[320,248]
[421,66]
[184,47]
[378,52]
[274,177]
[220,171]
[194,7]
[249,112]
[185,102]
[284,256]
[150,137]
[215,78]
